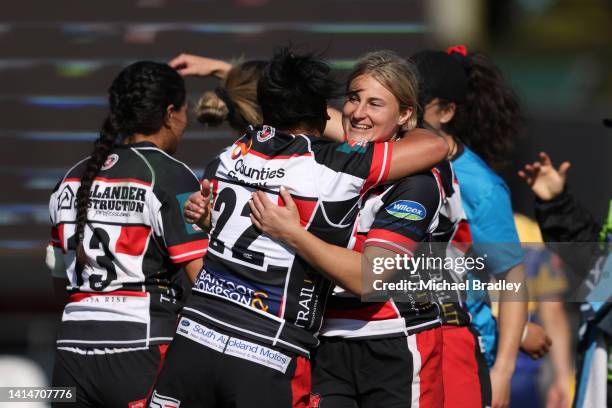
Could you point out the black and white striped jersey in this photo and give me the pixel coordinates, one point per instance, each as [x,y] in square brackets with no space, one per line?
[135,240]
[253,285]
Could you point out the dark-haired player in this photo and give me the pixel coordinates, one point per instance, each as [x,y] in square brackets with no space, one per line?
[118,243]
[466,99]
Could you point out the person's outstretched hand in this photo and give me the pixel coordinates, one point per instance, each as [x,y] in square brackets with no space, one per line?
[545,181]
[188,64]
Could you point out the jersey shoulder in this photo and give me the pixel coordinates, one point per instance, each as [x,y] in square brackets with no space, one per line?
[168,172]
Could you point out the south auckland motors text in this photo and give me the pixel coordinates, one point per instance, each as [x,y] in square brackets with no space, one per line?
[117,200]
[261,176]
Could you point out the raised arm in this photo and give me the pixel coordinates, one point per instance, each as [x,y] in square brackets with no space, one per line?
[417,151]
[188,64]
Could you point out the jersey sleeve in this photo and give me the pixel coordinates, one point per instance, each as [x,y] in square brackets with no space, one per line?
[407,214]
[366,164]
[54,257]
[494,232]
[184,241]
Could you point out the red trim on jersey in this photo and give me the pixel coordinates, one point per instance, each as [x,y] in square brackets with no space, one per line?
[369,312]
[301,383]
[359,242]
[132,240]
[438,178]
[77,297]
[188,251]
[305,208]
[55,238]
[265,156]
[60,232]
[387,163]
[463,237]
[106,180]
[379,169]
[123,180]
[431,390]
[391,237]
[460,391]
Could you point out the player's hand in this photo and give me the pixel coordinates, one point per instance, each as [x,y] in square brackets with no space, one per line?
[500,387]
[536,343]
[187,64]
[197,208]
[559,394]
[545,181]
[278,222]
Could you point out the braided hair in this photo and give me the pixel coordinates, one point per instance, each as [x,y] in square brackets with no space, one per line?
[138,100]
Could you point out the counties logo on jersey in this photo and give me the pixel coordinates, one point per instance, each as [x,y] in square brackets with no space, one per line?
[265,134]
[241,149]
[111,160]
[407,210]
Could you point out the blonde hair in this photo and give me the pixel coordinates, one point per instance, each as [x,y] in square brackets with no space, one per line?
[396,74]
[235,100]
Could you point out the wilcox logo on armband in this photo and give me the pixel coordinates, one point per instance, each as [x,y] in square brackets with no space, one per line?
[408,210]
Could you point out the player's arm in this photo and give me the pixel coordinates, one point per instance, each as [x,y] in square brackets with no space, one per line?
[192,268]
[511,323]
[188,64]
[417,151]
[504,261]
[283,224]
[386,241]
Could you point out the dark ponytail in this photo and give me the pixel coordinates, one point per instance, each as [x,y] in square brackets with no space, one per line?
[490,120]
[138,100]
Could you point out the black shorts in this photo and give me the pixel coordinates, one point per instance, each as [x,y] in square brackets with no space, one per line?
[206,367]
[120,379]
[372,373]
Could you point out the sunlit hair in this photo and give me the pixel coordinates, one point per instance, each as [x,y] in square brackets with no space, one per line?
[394,73]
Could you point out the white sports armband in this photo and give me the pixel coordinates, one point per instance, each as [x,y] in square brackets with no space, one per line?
[55,262]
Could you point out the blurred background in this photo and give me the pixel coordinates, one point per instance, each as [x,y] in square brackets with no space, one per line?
[59,57]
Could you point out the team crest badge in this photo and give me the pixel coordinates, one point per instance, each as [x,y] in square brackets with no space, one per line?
[111,160]
[265,134]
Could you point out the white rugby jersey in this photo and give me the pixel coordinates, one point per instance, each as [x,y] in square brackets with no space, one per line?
[135,240]
[253,285]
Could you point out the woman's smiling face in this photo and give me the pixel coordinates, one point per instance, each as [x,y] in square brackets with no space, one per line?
[371,112]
